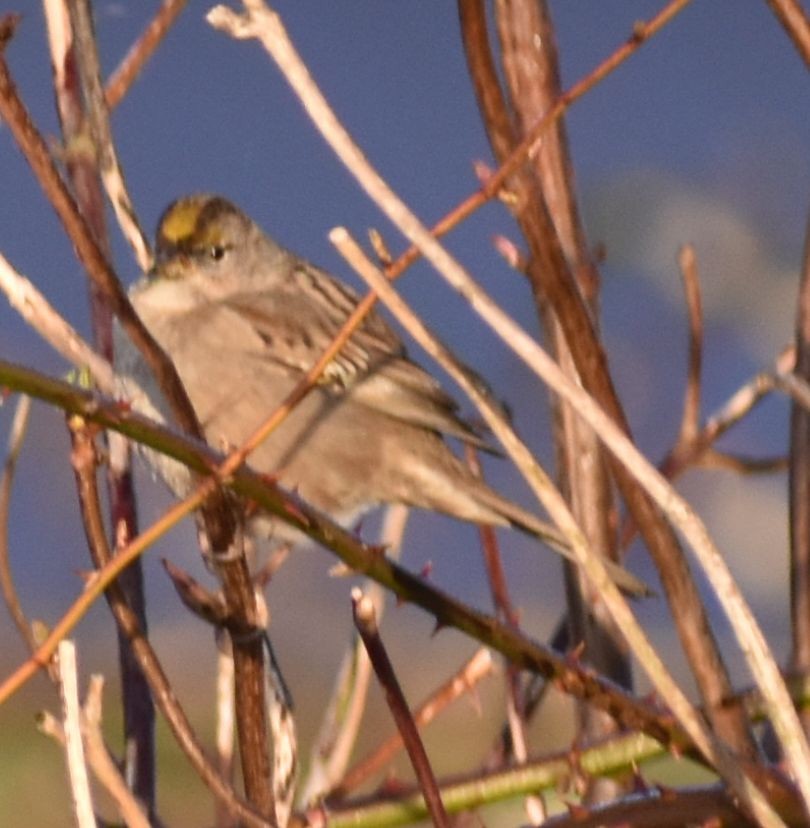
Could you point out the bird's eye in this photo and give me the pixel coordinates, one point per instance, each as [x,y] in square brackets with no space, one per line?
[217,252]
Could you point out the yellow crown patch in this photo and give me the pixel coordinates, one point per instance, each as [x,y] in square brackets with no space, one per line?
[180,221]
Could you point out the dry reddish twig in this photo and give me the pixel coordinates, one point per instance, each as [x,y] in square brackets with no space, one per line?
[366,622]
[97,120]
[796,24]
[473,671]
[343,714]
[16,437]
[144,47]
[799,482]
[690,421]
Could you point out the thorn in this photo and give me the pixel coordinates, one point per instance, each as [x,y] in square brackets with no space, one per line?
[340,570]
[510,252]
[427,570]
[666,793]
[577,811]
[482,170]
[437,628]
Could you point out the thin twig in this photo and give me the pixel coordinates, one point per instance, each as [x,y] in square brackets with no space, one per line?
[714,459]
[799,482]
[472,671]
[98,122]
[366,622]
[74,748]
[690,421]
[141,51]
[100,761]
[35,309]
[16,438]
[796,24]
[331,750]
[735,409]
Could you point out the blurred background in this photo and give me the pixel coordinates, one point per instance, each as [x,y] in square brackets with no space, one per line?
[703,137]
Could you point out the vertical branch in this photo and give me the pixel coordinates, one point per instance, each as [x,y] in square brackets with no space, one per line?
[16,437]
[799,483]
[551,276]
[690,422]
[76,73]
[74,748]
[796,24]
[366,622]
[531,67]
[124,76]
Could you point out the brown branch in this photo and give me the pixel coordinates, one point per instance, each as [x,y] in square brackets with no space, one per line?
[735,409]
[795,22]
[530,61]
[365,619]
[493,563]
[16,437]
[662,808]
[552,278]
[473,671]
[799,484]
[528,654]
[105,160]
[690,421]
[77,89]
[141,51]
[206,605]
[713,459]
[83,458]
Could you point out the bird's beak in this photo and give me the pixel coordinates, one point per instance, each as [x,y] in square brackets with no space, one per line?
[169,268]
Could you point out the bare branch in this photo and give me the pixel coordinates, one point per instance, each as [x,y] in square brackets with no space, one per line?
[795,22]
[473,671]
[74,748]
[141,51]
[366,622]
[16,438]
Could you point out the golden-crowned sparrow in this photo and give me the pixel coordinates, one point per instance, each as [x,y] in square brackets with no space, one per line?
[242,319]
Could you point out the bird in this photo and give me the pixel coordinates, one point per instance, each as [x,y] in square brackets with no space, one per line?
[243,319]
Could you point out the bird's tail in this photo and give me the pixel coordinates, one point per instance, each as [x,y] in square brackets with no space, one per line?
[530,524]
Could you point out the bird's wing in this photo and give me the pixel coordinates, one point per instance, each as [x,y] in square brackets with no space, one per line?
[296,322]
